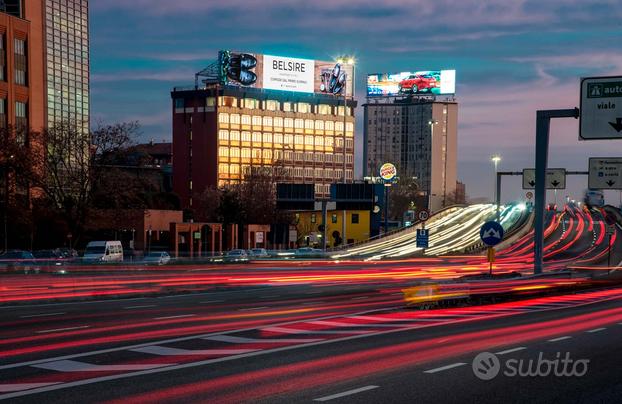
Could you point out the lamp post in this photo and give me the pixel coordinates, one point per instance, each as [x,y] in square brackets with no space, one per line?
[350,61]
[495,159]
[431,122]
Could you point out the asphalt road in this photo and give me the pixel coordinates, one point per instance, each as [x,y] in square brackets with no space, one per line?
[357,356]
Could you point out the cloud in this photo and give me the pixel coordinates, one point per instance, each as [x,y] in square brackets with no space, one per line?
[175,75]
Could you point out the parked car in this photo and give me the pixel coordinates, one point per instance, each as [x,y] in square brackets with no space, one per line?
[18,259]
[236,256]
[309,252]
[103,251]
[418,83]
[258,252]
[157,258]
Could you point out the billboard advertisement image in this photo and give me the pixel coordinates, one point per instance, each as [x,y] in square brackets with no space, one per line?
[284,73]
[425,82]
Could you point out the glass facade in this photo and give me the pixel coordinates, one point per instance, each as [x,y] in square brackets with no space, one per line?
[279,141]
[67,53]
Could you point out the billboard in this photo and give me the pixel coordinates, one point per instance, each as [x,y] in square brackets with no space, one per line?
[425,82]
[284,73]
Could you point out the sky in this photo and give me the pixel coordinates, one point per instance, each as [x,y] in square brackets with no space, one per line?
[513,57]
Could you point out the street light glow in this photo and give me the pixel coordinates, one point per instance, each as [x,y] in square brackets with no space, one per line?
[495,158]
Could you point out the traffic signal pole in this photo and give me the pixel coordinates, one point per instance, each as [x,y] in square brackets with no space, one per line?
[543,124]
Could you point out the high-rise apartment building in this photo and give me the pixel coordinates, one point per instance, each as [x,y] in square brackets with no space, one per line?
[420,137]
[44,68]
[220,136]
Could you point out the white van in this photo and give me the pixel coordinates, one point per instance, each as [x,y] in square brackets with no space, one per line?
[104,251]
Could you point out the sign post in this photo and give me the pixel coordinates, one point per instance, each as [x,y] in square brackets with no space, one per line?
[491,234]
[423,235]
[605,173]
[388,173]
[601,108]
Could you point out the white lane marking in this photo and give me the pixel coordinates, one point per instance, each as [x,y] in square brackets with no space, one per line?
[211,301]
[254,308]
[63,329]
[6,388]
[447,367]
[75,366]
[242,340]
[387,319]
[42,315]
[346,393]
[565,337]
[284,330]
[310,303]
[341,324]
[144,306]
[597,330]
[360,298]
[268,297]
[188,338]
[170,317]
[507,351]
[166,351]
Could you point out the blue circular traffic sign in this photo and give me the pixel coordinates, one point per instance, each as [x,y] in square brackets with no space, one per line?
[491,233]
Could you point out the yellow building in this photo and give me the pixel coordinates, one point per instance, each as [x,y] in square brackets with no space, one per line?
[358,227]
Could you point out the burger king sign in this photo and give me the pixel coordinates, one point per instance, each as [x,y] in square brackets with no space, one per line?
[388,172]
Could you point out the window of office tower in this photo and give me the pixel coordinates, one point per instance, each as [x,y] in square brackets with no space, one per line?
[67,48]
[21,62]
[2,58]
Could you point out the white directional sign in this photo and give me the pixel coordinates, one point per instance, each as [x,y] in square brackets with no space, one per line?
[601,108]
[605,173]
[555,178]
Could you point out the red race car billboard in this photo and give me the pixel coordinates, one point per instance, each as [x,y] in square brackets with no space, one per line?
[426,82]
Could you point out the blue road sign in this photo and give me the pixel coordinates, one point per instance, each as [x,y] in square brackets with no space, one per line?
[423,235]
[491,233]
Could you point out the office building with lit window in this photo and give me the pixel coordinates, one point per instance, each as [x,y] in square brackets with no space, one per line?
[420,137]
[222,134]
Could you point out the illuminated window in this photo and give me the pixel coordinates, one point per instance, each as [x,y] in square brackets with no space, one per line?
[287,106]
[298,171]
[303,107]
[267,154]
[223,151]
[234,169]
[246,136]
[319,173]
[256,153]
[349,127]
[288,139]
[339,127]
[328,141]
[288,155]
[299,124]
[309,140]
[267,138]
[288,123]
[272,105]
[234,136]
[298,156]
[257,137]
[324,109]
[234,119]
[318,157]
[246,119]
[278,138]
[234,152]
[349,143]
[251,103]
[348,174]
[210,101]
[328,157]
[309,124]
[223,135]
[223,117]
[228,101]
[246,153]
[349,158]
[278,122]
[338,158]
[329,125]
[223,168]
[319,125]
[256,120]
[308,172]
[328,173]
[299,139]
[267,121]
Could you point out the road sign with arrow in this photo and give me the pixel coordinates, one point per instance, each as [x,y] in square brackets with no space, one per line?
[555,178]
[491,233]
[601,108]
[605,173]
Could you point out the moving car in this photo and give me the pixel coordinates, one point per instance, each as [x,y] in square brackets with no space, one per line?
[104,251]
[157,258]
[418,83]
[18,259]
[309,252]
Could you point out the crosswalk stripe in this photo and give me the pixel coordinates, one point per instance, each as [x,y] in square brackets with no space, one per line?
[75,366]
[242,340]
[166,351]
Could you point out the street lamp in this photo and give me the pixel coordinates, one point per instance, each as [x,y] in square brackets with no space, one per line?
[496,159]
[350,61]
